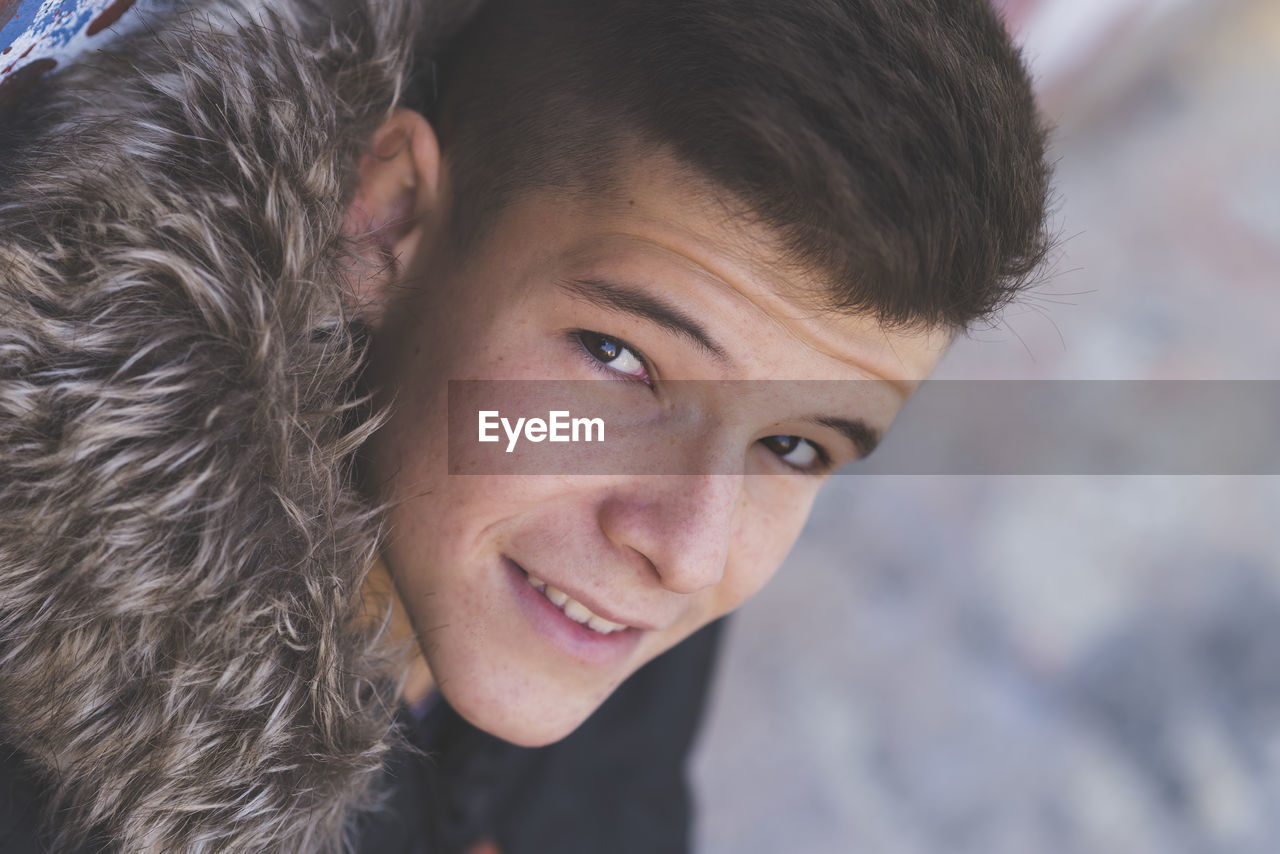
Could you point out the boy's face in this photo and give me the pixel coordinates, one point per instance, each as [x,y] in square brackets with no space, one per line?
[569,290]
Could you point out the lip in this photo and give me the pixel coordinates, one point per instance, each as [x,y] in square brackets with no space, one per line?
[594,607]
[571,638]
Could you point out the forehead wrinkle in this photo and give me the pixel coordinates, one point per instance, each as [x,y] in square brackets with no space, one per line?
[742,259]
[752,273]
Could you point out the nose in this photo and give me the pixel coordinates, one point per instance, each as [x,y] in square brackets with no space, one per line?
[682,524]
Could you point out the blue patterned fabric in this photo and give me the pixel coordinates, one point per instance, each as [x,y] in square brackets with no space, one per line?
[37,36]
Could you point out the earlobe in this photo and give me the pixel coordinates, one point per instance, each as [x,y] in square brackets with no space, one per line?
[395,209]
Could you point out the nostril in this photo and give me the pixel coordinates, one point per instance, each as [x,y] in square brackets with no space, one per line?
[653,567]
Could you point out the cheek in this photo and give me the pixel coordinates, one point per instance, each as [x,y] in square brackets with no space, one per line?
[770,518]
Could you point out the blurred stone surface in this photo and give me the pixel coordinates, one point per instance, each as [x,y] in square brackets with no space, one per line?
[1052,665]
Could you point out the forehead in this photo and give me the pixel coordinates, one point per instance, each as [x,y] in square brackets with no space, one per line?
[660,226]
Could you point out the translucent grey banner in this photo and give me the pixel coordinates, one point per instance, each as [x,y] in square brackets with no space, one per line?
[961,427]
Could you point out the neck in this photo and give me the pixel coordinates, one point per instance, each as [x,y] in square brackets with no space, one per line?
[380,590]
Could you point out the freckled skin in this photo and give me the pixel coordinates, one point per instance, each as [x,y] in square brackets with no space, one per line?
[670,551]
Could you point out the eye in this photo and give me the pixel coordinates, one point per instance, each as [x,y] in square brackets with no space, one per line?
[800,454]
[616,355]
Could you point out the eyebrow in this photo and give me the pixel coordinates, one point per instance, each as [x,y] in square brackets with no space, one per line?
[633,301]
[863,436]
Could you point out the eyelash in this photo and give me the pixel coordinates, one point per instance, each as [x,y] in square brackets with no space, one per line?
[820,466]
[822,460]
[593,361]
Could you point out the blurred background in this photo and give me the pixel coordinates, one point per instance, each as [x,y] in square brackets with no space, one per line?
[1051,665]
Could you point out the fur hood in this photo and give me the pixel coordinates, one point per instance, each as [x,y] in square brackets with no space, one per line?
[181,544]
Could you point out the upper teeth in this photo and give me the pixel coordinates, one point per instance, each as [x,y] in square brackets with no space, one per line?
[573,609]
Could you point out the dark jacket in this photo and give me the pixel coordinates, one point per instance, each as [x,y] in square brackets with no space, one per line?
[617,784]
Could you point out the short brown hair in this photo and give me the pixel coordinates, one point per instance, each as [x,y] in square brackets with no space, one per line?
[893,145]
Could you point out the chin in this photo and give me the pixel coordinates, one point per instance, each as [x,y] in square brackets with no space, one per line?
[533,736]
[516,698]
[527,722]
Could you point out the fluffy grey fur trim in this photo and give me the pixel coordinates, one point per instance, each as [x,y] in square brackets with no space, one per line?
[181,547]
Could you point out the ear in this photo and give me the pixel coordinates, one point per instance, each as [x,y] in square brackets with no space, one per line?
[396,210]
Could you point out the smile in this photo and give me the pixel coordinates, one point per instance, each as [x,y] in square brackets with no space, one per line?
[573,609]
